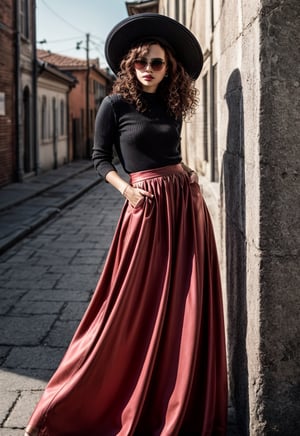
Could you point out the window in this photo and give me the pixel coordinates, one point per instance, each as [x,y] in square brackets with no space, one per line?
[82,122]
[100,93]
[91,120]
[44,118]
[62,117]
[99,90]
[24,18]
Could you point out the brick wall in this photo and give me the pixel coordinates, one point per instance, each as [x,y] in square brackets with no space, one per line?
[7,121]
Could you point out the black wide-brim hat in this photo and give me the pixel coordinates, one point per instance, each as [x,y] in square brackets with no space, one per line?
[156,27]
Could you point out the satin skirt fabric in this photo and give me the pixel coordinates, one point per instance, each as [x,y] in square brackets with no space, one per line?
[148,357]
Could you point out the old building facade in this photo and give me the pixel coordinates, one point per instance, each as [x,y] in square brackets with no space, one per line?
[93,84]
[18,149]
[53,124]
[7,92]
[244,143]
[42,123]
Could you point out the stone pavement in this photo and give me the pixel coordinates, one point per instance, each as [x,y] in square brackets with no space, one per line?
[26,206]
[46,282]
[47,279]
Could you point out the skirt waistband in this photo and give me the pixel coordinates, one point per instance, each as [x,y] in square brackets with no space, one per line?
[156,172]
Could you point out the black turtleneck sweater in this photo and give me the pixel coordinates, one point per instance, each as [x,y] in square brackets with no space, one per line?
[142,140]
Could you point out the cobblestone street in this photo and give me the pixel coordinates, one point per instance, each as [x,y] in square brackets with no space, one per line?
[47,280]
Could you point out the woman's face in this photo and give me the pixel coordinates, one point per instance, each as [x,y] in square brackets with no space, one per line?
[151,68]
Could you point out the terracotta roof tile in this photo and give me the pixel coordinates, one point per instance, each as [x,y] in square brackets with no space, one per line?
[63,61]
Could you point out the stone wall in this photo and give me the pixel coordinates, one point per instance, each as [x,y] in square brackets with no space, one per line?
[246,149]
[279,391]
[235,57]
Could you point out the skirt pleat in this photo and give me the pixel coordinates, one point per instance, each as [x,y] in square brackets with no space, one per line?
[148,357]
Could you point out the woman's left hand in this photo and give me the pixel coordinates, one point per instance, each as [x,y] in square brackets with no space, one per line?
[194,177]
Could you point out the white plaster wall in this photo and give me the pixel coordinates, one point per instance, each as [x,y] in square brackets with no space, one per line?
[47,157]
[52,89]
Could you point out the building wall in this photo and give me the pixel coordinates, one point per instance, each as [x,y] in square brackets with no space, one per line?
[99,88]
[237,55]
[279,216]
[27,152]
[7,90]
[244,143]
[17,152]
[52,132]
[77,101]
[227,157]
[81,135]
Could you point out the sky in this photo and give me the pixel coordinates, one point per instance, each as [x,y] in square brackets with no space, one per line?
[64,23]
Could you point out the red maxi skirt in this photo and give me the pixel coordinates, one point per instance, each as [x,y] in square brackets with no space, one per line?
[148,357]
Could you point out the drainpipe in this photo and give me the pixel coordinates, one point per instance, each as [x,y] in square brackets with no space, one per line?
[18,100]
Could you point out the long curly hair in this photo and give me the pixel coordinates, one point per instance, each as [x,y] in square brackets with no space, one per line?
[177,89]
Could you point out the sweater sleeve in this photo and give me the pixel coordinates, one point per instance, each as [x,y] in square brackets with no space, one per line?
[105,129]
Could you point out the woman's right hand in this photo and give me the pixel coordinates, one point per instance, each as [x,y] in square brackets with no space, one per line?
[132,194]
[135,196]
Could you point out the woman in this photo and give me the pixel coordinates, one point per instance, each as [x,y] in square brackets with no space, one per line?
[148,358]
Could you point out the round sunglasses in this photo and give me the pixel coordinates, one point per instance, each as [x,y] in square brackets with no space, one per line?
[156,64]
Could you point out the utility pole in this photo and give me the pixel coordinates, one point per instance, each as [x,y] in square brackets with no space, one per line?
[87,105]
[87,94]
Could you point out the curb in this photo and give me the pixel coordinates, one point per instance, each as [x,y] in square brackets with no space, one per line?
[20,234]
[41,191]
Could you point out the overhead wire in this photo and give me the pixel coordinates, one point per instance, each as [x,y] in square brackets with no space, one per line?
[62,18]
[95,44]
[56,41]
[60,52]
